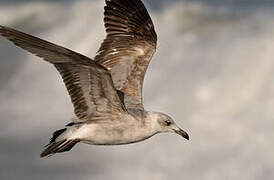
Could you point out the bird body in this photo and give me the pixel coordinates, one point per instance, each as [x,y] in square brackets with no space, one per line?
[106,91]
[127,129]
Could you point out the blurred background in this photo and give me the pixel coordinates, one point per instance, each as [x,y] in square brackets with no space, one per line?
[213,73]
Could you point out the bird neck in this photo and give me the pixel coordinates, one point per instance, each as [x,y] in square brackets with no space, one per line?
[152,121]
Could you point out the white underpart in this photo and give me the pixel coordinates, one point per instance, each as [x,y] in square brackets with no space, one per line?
[77,133]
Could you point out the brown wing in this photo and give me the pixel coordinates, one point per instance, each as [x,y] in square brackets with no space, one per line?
[91,90]
[128,48]
[89,84]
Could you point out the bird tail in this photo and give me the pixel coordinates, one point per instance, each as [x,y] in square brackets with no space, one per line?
[58,146]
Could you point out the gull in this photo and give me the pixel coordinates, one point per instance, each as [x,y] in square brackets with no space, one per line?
[106,91]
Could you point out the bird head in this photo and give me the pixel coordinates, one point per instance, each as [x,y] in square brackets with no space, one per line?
[166,124]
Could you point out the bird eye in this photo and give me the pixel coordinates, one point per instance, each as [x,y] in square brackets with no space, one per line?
[168,123]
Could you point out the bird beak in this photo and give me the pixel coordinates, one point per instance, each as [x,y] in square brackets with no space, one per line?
[181,133]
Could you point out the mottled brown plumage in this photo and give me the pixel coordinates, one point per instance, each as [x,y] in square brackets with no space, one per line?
[128,48]
[91,90]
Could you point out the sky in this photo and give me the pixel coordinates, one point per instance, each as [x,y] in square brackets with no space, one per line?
[212,73]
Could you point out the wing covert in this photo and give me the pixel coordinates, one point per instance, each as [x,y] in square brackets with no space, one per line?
[91,90]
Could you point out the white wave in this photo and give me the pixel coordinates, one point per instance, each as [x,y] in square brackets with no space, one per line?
[213,73]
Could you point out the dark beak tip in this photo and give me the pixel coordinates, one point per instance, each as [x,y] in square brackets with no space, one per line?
[186,137]
[183,134]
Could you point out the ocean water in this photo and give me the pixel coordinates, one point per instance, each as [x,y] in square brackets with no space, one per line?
[212,73]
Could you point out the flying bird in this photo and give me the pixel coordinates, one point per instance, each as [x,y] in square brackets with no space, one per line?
[106,91]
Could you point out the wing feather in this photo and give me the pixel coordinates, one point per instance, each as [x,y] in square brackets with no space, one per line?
[48,51]
[89,84]
[128,47]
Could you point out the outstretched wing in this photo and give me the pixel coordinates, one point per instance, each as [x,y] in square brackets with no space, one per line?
[128,47]
[89,84]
